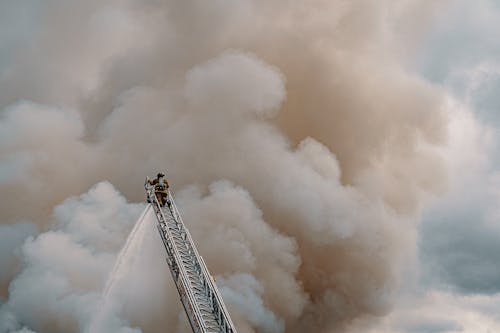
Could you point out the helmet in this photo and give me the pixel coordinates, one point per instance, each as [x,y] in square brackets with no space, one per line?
[160,174]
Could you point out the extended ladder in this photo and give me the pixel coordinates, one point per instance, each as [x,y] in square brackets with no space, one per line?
[198,292]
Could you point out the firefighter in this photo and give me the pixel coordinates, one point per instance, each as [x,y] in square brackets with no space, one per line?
[161,188]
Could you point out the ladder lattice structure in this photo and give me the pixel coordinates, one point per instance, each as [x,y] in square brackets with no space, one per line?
[198,292]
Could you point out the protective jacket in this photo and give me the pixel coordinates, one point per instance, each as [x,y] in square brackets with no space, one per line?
[161,185]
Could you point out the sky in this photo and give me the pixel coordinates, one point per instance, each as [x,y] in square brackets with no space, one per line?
[458,237]
[337,162]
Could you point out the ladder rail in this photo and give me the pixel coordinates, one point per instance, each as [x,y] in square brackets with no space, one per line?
[207,277]
[218,297]
[209,296]
[183,287]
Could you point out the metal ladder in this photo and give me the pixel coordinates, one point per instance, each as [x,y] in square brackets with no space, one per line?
[198,292]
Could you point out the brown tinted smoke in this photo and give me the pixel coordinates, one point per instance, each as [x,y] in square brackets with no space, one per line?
[299,144]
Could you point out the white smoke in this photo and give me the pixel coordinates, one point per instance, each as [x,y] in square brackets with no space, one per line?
[65,268]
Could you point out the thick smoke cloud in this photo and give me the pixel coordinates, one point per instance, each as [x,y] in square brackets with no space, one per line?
[65,267]
[301,148]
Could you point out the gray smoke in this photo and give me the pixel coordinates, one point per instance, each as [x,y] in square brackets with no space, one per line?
[300,147]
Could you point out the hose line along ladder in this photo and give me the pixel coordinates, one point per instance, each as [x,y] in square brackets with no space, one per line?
[198,292]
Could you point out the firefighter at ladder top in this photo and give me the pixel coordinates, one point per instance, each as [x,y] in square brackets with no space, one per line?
[161,188]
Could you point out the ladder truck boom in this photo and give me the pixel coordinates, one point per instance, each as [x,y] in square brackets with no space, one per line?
[198,292]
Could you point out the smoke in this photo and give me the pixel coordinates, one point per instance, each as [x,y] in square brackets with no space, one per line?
[300,146]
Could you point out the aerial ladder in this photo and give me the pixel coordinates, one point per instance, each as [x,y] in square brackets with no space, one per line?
[198,292]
